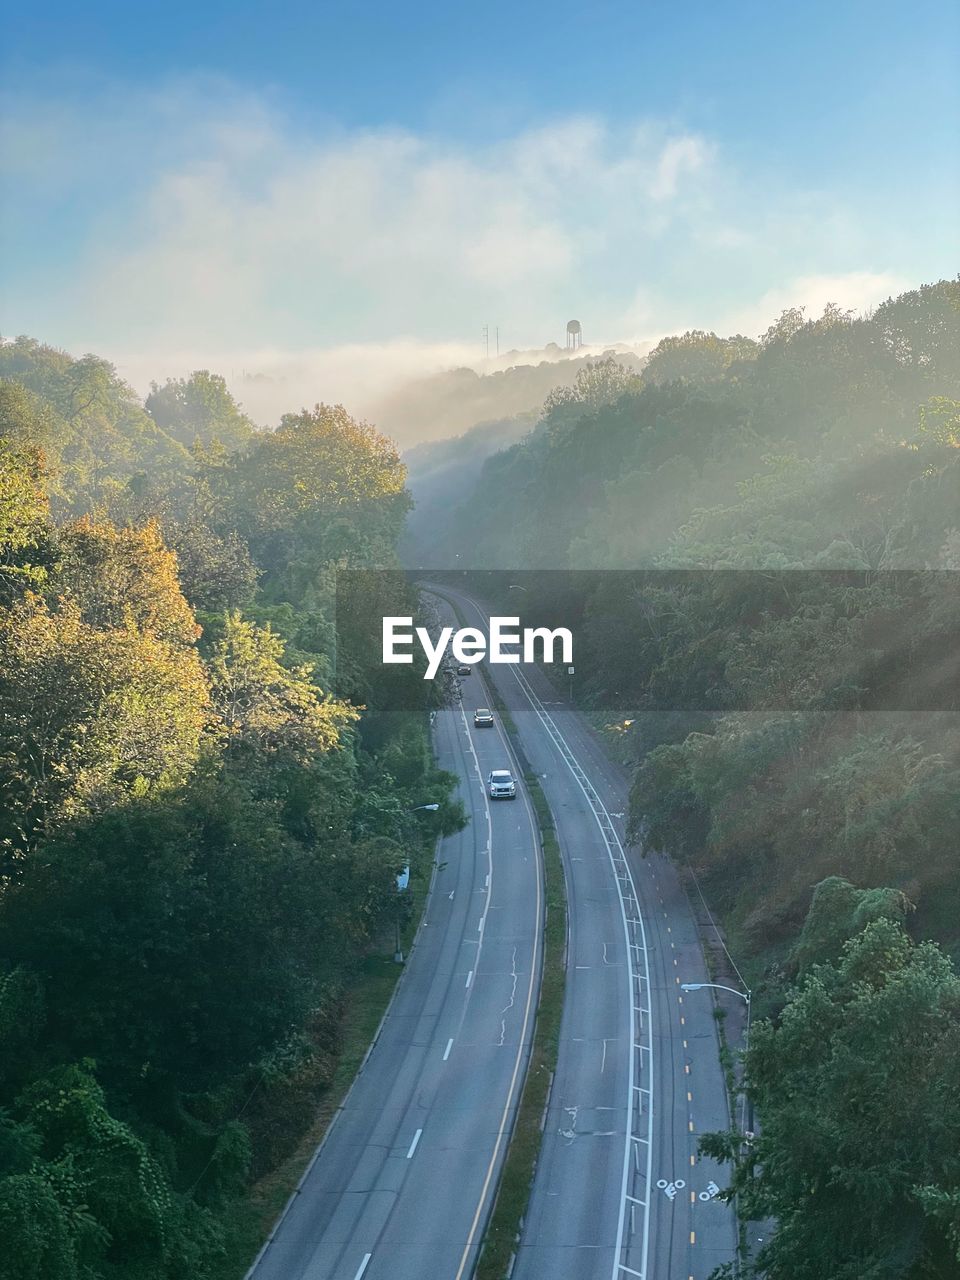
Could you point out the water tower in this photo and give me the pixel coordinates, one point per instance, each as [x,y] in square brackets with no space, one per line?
[574,335]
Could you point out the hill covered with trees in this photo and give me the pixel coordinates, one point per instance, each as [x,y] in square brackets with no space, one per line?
[197,841]
[788,725]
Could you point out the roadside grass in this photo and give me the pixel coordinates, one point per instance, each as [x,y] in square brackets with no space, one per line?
[248,1220]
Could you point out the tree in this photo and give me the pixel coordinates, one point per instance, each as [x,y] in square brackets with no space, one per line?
[838,912]
[696,355]
[199,410]
[90,424]
[858,1087]
[120,576]
[320,488]
[25,534]
[216,573]
[88,716]
[265,704]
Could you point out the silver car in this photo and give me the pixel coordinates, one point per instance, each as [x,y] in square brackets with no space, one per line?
[501,785]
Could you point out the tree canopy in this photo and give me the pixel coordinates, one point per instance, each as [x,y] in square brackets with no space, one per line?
[198,843]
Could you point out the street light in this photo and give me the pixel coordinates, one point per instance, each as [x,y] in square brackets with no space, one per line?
[745,997]
[403,882]
[513,586]
[699,986]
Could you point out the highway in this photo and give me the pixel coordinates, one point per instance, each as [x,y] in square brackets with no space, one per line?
[401,1187]
[620,1190]
[404,1181]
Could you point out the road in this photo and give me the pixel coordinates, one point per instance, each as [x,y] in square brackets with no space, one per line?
[620,1190]
[401,1187]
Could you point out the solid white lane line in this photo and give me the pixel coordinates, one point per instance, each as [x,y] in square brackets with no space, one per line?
[363,1266]
[446,1052]
[413,1144]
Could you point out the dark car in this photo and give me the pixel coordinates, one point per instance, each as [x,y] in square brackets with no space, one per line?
[464,670]
[483,718]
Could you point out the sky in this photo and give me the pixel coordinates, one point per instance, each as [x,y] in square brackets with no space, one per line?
[331,196]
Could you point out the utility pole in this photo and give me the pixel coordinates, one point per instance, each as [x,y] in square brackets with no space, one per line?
[486,340]
[498,340]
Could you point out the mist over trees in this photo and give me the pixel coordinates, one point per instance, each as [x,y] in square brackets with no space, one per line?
[831,443]
[197,842]
[437,406]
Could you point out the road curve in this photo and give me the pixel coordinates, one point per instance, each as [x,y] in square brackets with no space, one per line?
[620,1190]
[401,1187]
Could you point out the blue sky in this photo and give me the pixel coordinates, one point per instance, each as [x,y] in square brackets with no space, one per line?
[348,190]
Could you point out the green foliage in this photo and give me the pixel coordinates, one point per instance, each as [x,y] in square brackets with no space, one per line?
[696,356]
[859,1092]
[839,911]
[123,577]
[90,425]
[88,716]
[820,836]
[24,521]
[615,479]
[199,411]
[198,843]
[322,488]
[37,1241]
[215,571]
[263,703]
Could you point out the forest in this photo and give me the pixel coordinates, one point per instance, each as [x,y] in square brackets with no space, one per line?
[206,798]
[198,843]
[792,731]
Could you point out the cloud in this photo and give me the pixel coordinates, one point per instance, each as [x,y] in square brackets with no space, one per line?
[679,157]
[857,291]
[194,224]
[270,381]
[209,217]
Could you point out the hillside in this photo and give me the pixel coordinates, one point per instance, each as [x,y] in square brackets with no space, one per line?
[831,444]
[198,843]
[448,404]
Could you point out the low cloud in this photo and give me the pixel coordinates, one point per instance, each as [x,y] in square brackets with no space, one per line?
[856,291]
[224,224]
[270,382]
[193,225]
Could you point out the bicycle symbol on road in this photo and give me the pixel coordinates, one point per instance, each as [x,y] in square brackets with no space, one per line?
[670,1189]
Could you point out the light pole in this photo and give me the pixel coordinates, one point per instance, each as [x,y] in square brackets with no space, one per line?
[745,997]
[403,881]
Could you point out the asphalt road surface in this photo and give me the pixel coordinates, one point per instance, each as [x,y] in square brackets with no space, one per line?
[402,1185]
[620,1190]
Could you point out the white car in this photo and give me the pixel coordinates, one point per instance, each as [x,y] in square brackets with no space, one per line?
[501,785]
